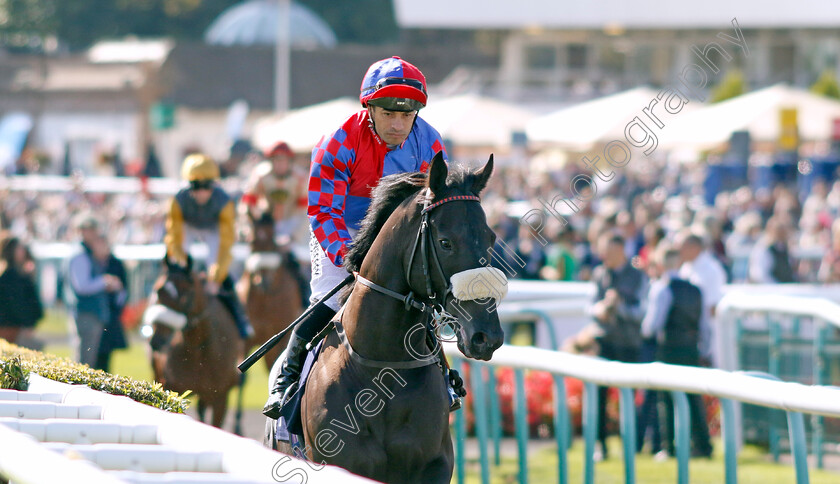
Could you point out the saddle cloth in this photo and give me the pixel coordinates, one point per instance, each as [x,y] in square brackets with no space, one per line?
[289,427]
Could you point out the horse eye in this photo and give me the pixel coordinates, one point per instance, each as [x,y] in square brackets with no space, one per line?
[445,244]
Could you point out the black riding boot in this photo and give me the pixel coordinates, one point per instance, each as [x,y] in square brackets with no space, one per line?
[228,296]
[293,358]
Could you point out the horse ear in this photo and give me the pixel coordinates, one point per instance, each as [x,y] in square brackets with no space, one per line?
[438,172]
[482,176]
[167,261]
[189,263]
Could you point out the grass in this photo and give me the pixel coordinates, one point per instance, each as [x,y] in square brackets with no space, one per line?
[754,466]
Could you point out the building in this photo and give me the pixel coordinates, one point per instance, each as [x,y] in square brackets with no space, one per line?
[560,50]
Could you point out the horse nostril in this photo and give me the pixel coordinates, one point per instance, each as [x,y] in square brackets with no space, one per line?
[478,340]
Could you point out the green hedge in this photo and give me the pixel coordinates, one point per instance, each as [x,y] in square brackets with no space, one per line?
[16,363]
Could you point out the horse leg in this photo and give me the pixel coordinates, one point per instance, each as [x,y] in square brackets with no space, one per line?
[219,407]
[202,410]
[237,426]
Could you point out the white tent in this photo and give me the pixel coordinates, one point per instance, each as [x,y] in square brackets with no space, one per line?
[471,120]
[303,128]
[756,112]
[581,126]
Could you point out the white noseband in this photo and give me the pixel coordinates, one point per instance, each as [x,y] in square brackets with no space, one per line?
[480,283]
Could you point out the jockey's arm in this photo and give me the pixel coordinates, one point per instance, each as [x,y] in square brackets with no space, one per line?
[329,181]
[174,239]
[227,235]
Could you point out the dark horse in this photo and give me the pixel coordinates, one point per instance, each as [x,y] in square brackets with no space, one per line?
[373,404]
[268,287]
[195,345]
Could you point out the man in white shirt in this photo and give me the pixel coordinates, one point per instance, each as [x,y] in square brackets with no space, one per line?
[770,258]
[702,269]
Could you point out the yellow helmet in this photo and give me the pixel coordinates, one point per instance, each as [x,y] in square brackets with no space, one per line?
[199,167]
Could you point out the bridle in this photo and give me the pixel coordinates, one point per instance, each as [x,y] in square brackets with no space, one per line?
[188,305]
[432,305]
[437,317]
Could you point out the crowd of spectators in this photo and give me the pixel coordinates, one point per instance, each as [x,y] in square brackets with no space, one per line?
[766,235]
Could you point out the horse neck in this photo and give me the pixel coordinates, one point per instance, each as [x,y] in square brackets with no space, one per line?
[198,318]
[377,324]
[268,246]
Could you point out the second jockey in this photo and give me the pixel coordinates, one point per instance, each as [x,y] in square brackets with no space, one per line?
[277,187]
[386,137]
[203,211]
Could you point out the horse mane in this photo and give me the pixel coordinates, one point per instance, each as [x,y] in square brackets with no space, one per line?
[391,191]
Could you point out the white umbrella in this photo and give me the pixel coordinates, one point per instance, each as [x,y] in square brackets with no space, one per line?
[470,120]
[581,126]
[303,128]
[756,112]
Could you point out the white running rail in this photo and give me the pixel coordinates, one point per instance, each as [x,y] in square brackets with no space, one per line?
[125,441]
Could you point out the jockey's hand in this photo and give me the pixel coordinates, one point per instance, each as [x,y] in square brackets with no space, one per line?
[212,288]
[457,383]
[112,283]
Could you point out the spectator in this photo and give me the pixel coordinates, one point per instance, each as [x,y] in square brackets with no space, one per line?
[530,255]
[702,269]
[653,234]
[90,288]
[770,258]
[829,272]
[113,336]
[561,263]
[20,306]
[672,320]
[618,309]
[745,234]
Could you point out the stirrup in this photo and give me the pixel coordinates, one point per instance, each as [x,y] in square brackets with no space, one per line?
[454,400]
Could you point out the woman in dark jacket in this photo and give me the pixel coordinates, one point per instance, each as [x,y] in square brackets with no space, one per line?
[20,306]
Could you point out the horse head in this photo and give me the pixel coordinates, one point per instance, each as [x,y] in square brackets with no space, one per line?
[460,243]
[262,233]
[178,297]
[265,258]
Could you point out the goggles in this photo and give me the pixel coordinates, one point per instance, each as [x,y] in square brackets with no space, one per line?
[392,81]
[201,184]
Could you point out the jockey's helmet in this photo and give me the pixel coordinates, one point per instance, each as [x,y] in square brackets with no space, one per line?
[198,166]
[281,148]
[394,84]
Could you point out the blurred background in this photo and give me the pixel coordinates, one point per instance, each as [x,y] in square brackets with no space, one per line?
[730,113]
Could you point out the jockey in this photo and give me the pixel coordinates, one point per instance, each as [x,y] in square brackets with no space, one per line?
[384,138]
[203,211]
[277,187]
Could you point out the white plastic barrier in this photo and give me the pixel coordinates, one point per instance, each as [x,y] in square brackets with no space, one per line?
[42,410]
[16,396]
[83,432]
[133,477]
[238,459]
[25,461]
[792,305]
[144,458]
[97,184]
